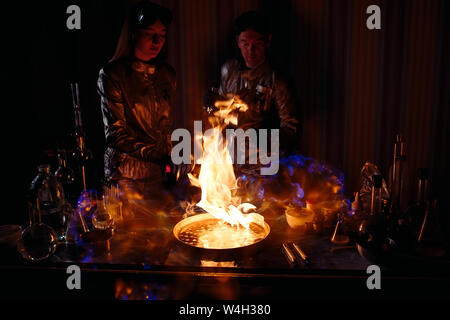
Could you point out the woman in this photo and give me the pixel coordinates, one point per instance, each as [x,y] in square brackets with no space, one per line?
[137,89]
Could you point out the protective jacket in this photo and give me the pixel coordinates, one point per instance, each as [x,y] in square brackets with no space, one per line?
[136,102]
[270,104]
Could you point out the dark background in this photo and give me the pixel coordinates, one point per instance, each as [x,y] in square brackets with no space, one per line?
[356,87]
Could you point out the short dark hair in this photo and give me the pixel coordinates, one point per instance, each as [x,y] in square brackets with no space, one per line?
[145,13]
[252,20]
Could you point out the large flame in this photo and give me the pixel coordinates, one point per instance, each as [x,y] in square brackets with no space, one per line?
[216,178]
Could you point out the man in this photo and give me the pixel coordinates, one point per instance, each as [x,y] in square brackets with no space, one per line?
[251,77]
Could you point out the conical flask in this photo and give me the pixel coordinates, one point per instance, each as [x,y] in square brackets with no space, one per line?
[339,236]
[64,173]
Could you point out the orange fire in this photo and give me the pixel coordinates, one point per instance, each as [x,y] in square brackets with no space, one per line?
[216,178]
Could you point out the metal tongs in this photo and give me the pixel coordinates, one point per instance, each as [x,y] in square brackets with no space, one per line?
[296,255]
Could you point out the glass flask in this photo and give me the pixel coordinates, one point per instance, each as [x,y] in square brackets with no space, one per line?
[339,236]
[52,205]
[64,173]
[372,231]
[101,219]
[38,241]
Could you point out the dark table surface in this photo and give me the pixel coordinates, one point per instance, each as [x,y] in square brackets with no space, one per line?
[147,245]
[147,261]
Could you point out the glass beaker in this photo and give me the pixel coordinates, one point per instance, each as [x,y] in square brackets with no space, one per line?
[113,203]
[101,219]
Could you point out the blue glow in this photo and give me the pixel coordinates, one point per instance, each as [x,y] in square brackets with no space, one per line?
[295,160]
[299,194]
[260,193]
[86,259]
[85,199]
[151,297]
[291,170]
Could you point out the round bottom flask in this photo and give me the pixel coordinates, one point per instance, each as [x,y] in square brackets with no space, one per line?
[37,242]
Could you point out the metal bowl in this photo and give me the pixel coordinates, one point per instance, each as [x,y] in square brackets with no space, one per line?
[195,234]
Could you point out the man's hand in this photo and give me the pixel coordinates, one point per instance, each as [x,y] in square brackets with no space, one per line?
[210,99]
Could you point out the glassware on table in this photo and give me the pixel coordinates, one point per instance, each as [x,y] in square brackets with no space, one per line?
[101,219]
[299,217]
[397,176]
[53,207]
[38,241]
[431,239]
[339,236]
[373,239]
[64,173]
[113,203]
